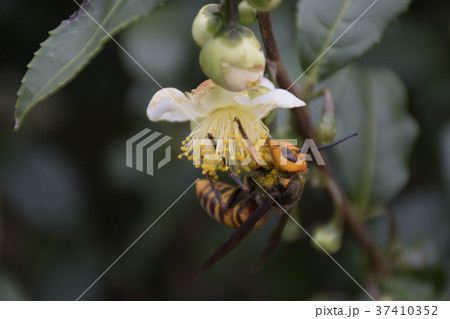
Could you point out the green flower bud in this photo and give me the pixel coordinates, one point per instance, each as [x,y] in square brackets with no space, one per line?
[247,14]
[264,5]
[328,237]
[326,132]
[205,24]
[233,59]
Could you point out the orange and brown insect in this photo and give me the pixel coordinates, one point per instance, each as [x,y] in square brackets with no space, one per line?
[276,187]
[233,214]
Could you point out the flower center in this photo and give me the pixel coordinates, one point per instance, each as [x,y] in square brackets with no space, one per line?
[218,143]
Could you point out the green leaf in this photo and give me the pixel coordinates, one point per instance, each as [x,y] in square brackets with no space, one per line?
[373,166]
[406,289]
[72,45]
[321,23]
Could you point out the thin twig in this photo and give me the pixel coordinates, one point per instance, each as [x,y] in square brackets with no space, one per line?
[232,12]
[306,129]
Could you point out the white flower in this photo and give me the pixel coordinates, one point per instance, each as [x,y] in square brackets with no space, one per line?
[215,109]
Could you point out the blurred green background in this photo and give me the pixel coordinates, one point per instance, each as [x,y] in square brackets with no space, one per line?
[69,206]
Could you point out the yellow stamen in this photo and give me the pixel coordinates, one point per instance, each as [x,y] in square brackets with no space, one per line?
[227,152]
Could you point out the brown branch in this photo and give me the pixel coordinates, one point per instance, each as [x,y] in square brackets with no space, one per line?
[231,11]
[306,129]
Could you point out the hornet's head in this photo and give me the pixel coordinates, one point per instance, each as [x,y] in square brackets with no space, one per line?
[287,156]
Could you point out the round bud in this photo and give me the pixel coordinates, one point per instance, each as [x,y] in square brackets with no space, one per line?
[264,5]
[233,59]
[247,14]
[205,24]
[328,237]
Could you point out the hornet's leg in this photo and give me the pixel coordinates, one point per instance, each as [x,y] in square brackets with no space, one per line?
[250,146]
[232,174]
[230,201]
[273,241]
[236,237]
[216,192]
[238,181]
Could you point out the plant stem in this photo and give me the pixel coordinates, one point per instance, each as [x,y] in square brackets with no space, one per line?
[306,129]
[232,12]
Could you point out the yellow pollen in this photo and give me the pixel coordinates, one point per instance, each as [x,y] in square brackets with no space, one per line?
[228,153]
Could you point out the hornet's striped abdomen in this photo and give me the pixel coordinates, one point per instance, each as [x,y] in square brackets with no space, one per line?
[239,211]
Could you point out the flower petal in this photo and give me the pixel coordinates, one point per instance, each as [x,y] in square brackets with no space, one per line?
[172,105]
[210,96]
[262,105]
[262,87]
[267,83]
